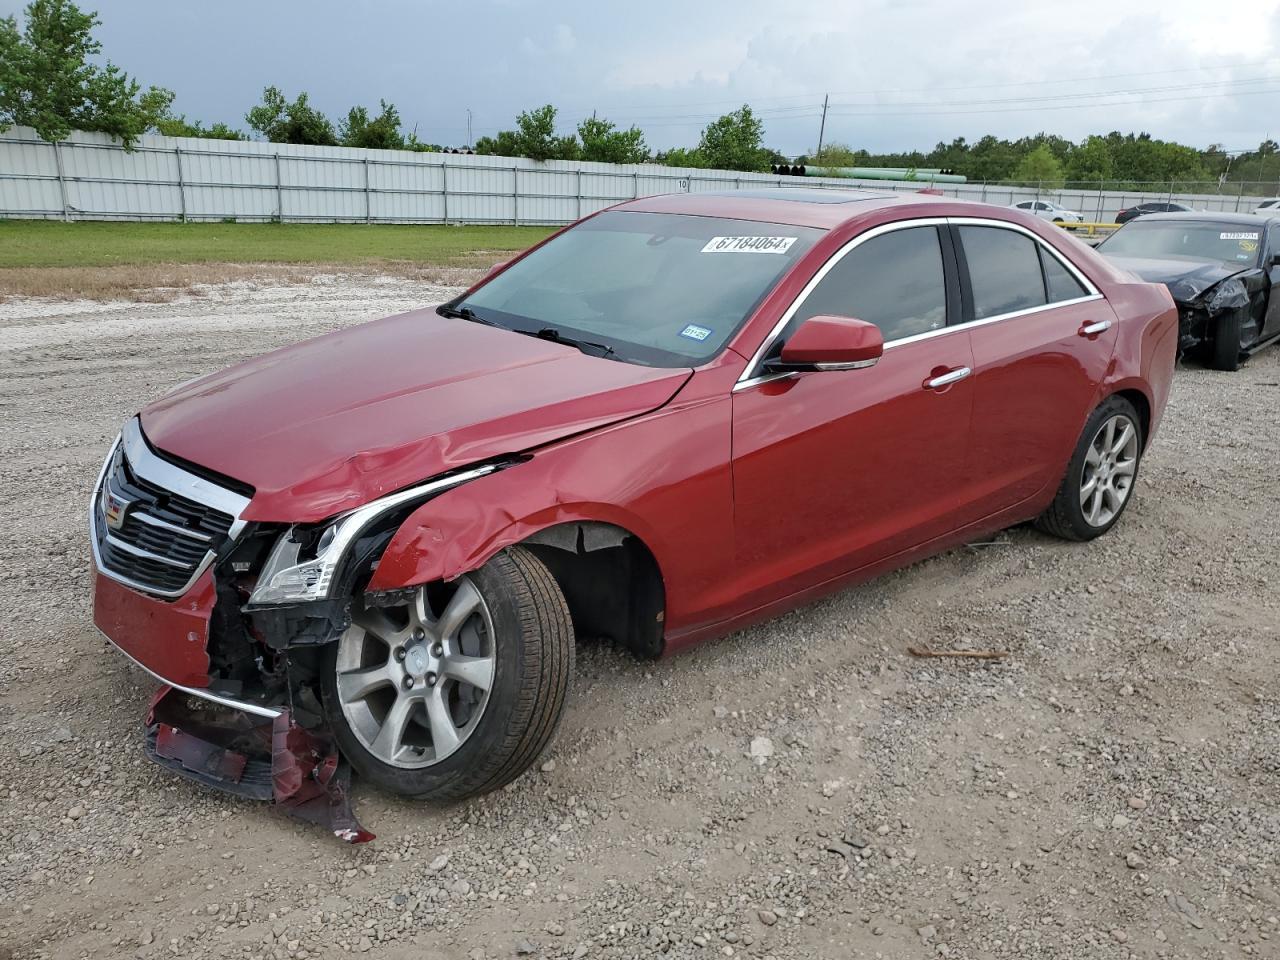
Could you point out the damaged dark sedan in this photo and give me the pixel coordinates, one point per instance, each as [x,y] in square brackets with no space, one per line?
[1222,271]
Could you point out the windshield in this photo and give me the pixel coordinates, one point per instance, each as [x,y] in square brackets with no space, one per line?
[655,288]
[1231,243]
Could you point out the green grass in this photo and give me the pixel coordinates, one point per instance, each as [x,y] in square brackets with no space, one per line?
[49,243]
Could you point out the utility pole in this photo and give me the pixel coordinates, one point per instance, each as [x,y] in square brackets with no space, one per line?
[469,128]
[822,127]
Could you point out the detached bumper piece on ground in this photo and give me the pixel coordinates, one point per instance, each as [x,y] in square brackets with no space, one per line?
[258,758]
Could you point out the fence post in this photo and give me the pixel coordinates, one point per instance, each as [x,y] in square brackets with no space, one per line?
[635,185]
[984,192]
[1098,216]
[62,181]
[515,196]
[279,191]
[182,190]
[444,176]
[1239,196]
[578,188]
[368,206]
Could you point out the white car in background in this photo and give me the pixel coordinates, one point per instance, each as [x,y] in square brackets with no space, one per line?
[1270,205]
[1046,210]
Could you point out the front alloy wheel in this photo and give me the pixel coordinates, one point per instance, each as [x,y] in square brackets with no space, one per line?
[412,683]
[458,691]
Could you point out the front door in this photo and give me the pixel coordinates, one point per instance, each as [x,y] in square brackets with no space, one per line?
[834,470]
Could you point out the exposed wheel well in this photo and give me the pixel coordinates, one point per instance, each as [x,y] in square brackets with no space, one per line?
[1141,404]
[610,579]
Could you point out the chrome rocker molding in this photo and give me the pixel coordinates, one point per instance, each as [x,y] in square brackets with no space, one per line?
[147,465]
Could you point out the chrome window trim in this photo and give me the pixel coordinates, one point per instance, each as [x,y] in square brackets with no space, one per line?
[198,691]
[752,374]
[150,467]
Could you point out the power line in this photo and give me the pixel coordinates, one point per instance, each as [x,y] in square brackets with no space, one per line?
[977,86]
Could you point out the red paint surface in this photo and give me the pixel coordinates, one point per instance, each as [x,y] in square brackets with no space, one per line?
[751,501]
[331,423]
[168,638]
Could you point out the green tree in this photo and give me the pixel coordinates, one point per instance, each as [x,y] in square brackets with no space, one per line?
[1090,161]
[1040,167]
[380,133]
[681,157]
[733,142]
[535,136]
[602,142]
[47,81]
[279,121]
[180,127]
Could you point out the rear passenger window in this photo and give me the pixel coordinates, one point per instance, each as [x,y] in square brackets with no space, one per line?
[1058,281]
[894,281]
[1004,271]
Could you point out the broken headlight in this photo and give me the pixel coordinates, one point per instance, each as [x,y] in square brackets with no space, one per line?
[306,559]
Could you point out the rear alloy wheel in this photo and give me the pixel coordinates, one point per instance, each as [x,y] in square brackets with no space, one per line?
[1101,475]
[457,691]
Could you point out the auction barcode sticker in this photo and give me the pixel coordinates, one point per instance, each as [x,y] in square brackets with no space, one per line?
[748,244]
[1237,236]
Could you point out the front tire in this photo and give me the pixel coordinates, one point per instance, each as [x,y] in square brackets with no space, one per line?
[1100,477]
[457,692]
[1225,350]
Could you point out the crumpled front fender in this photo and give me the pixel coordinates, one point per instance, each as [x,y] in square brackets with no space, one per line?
[462,528]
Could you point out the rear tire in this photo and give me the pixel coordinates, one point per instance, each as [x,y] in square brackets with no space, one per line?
[497,719]
[1225,349]
[1100,476]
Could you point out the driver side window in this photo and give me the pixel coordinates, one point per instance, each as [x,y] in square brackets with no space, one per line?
[895,281]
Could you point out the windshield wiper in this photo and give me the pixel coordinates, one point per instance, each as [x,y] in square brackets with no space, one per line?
[464,313]
[586,346]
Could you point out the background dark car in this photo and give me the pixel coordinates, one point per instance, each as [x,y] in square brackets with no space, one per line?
[1157,206]
[1222,270]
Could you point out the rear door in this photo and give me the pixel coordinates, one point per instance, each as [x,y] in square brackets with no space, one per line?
[1042,338]
[834,470]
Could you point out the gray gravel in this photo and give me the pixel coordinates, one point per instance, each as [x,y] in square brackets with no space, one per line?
[801,789]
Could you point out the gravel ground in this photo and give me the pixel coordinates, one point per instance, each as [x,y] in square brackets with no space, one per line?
[801,789]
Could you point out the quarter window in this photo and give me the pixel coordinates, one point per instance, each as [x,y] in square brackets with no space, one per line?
[1059,283]
[894,280]
[1004,271]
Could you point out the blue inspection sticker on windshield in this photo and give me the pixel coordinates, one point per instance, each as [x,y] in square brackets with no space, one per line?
[695,332]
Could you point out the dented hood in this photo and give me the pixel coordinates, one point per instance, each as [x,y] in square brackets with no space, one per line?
[331,423]
[1185,279]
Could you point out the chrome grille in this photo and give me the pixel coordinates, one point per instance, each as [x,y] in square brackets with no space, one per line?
[157,527]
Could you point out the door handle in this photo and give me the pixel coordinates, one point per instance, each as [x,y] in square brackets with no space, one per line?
[947,379]
[1093,329]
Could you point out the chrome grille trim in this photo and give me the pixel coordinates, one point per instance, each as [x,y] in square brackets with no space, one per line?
[154,472]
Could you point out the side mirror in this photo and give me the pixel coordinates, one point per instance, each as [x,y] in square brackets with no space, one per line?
[831,343]
[495,268]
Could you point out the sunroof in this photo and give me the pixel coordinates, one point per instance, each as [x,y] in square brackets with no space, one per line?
[803,195]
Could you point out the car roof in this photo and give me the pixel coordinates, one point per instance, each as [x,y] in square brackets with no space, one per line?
[1246,219]
[798,206]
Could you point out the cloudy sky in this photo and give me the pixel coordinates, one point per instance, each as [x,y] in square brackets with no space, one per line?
[900,73]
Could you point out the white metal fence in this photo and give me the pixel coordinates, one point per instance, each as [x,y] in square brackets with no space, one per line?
[90,177]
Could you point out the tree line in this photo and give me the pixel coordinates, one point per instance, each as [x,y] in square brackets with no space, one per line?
[49,81]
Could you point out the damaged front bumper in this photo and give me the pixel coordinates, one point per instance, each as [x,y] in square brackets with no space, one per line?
[249,747]
[272,759]
[238,710]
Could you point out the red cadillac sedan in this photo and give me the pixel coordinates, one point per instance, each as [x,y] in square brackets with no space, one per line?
[675,417]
